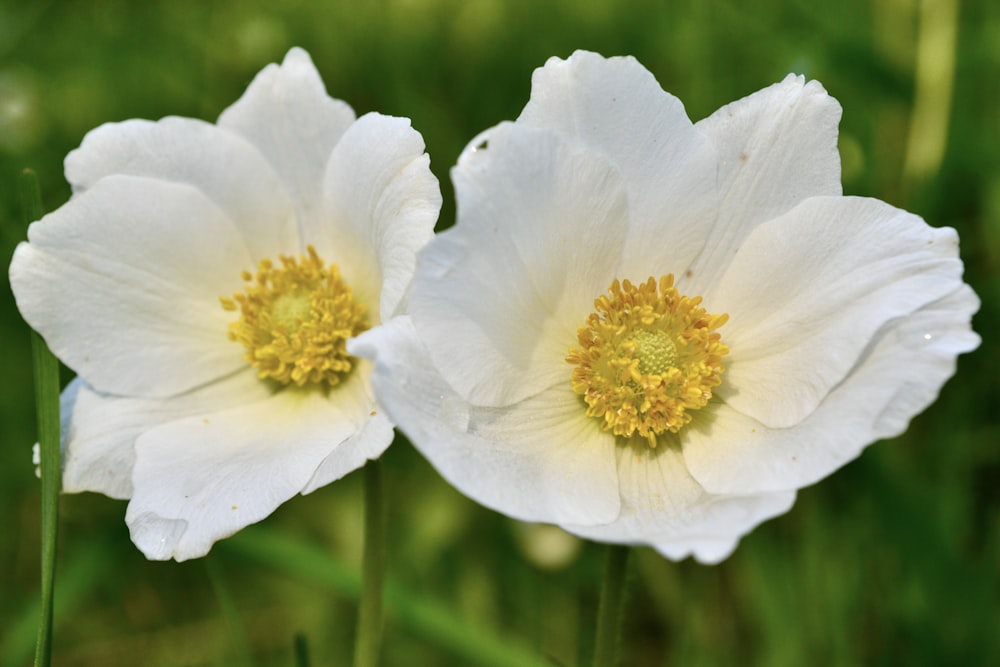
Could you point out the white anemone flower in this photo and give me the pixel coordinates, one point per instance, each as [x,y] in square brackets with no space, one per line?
[649,331]
[202,282]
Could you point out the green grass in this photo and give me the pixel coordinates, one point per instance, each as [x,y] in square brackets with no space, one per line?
[893,560]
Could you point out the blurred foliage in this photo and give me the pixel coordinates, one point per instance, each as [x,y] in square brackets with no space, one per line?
[893,560]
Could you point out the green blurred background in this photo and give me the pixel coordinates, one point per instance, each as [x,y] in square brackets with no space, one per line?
[894,560]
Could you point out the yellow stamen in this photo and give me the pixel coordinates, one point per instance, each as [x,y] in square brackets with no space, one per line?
[295,320]
[648,357]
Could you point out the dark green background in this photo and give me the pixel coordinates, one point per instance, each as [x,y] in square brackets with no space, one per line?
[894,560]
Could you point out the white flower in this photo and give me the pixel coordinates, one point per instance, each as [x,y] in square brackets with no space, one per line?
[163,277]
[845,314]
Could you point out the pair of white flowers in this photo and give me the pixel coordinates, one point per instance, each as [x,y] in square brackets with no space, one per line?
[641,329]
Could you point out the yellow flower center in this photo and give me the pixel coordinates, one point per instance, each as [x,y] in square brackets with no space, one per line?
[648,357]
[295,320]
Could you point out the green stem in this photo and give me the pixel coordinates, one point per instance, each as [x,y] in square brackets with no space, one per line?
[369,639]
[47,410]
[301,650]
[609,610]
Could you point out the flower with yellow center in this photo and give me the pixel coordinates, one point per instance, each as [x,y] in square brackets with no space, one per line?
[651,331]
[295,321]
[648,357]
[305,222]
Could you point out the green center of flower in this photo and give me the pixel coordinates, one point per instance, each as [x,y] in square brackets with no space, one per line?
[291,310]
[647,358]
[295,320]
[655,351]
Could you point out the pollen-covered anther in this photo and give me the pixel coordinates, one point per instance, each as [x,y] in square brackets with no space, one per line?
[295,320]
[647,358]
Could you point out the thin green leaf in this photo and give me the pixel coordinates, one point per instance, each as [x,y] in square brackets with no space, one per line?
[47,410]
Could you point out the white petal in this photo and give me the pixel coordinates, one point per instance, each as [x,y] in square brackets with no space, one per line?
[539,237]
[381,205]
[663,506]
[776,148]
[99,430]
[935,335]
[705,550]
[541,460]
[221,164]
[201,479]
[372,438]
[616,108]
[97,452]
[287,115]
[124,281]
[899,376]
[807,291]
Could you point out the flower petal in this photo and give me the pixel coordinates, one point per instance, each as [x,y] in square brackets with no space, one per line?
[899,375]
[663,506]
[381,205]
[541,460]
[200,479]
[539,238]
[372,438]
[287,115]
[847,266]
[97,455]
[222,165]
[122,294]
[776,147]
[99,430]
[614,106]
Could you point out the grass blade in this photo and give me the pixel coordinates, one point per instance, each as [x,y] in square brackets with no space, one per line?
[47,410]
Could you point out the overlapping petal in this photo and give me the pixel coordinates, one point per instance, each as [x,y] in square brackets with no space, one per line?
[123,296]
[220,164]
[370,441]
[554,220]
[615,108]
[899,375]
[775,148]
[287,115]
[381,201]
[100,430]
[533,459]
[667,508]
[807,291]
[199,479]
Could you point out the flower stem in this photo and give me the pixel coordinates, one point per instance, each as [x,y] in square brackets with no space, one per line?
[47,409]
[301,650]
[369,637]
[609,610]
